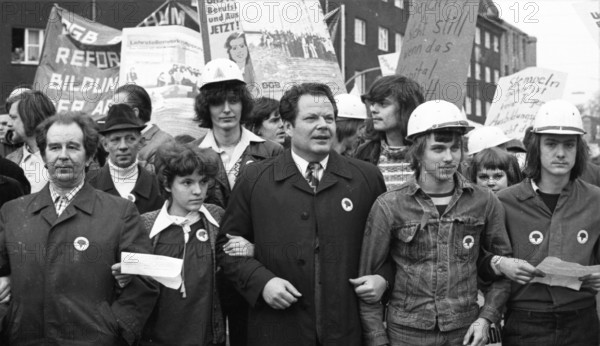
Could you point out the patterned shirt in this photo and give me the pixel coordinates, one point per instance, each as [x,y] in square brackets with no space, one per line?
[62,202]
[394,166]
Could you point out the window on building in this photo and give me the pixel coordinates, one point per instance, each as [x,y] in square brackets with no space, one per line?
[506,70]
[477,53]
[469,71]
[496,43]
[399,3]
[496,76]
[477,71]
[478,108]
[360,31]
[488,75]
[360,82]
[468,109]
[398,43]
[487,40]
[26,45]
[383,39]
[487,108]
[477,36]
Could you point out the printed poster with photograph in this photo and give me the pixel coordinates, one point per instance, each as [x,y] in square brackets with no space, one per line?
[288,43]
[167,62]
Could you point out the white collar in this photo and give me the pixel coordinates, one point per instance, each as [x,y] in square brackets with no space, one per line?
[163,221]
[302,164]
[209,140]
[535,187]
[149,125]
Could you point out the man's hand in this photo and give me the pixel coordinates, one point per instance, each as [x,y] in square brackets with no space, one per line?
[519,270]
[280,294]
[369,288]
[4,289]
[238,246]
[477,333]
[122,279]
[591,281]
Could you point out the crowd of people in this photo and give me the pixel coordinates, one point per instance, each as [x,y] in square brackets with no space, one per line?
[316,219]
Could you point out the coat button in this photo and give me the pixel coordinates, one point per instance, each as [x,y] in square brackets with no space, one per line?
[301,262]
[304,216]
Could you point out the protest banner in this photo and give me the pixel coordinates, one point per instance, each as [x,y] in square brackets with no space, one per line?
[171,58]
[388,62]
[173,13]
[436,50]
[289,43]
[519,96]
[79,67]
[589,12]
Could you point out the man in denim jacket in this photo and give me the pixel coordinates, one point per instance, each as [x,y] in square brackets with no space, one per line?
[437,229]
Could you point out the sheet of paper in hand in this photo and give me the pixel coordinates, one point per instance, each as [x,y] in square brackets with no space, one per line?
[164,269]
[565,274]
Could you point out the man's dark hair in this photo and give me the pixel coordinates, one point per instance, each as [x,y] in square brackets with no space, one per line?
[405,91]
[263,107]
[137,97]
[33,107]
[216,94]
[345,127]
[533,163]
[85,123]
[288,106]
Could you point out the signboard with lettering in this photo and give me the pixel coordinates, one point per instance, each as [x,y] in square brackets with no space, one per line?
[388,62]
[589,12]
[173,13]
[519,96]
[436,50]
[167,62]
[79,67]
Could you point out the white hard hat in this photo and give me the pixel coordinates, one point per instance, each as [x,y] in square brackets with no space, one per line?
[221,70]
[485,137]
[559,117]
[350,107]
[434,115]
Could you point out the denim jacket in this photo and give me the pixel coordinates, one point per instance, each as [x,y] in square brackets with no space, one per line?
[436,258]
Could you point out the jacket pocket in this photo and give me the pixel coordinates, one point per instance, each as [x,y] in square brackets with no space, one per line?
[467,234]
[409,247]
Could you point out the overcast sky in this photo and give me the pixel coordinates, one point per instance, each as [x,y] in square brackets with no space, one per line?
[564,42]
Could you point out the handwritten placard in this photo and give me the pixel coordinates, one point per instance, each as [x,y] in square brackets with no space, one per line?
[519,96]
[437,47]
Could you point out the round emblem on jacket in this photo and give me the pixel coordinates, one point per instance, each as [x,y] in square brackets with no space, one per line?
[582,236]
[81,243]
[468,242]
[202,235]
[536,237]
[131,197]
[347,204]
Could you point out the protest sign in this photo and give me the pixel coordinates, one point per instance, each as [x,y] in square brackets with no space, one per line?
[173,13]
[289,43]
[79,67]
[589,12]
[388,62]
[436,50]
[519,96]
[166,61]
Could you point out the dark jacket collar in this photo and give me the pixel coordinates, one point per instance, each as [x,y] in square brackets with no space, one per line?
[42,202]
[525,191]
[143,184]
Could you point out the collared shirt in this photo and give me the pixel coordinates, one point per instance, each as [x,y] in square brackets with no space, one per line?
[34,168]
[436,258]
[62,202]
[164,219]
[302,165]
[231,163]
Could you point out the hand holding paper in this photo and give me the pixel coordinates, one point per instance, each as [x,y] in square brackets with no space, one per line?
[164,269]
[568,274]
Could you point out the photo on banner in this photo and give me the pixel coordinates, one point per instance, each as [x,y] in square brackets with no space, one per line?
[289,43]
[79,67]
[167,62]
